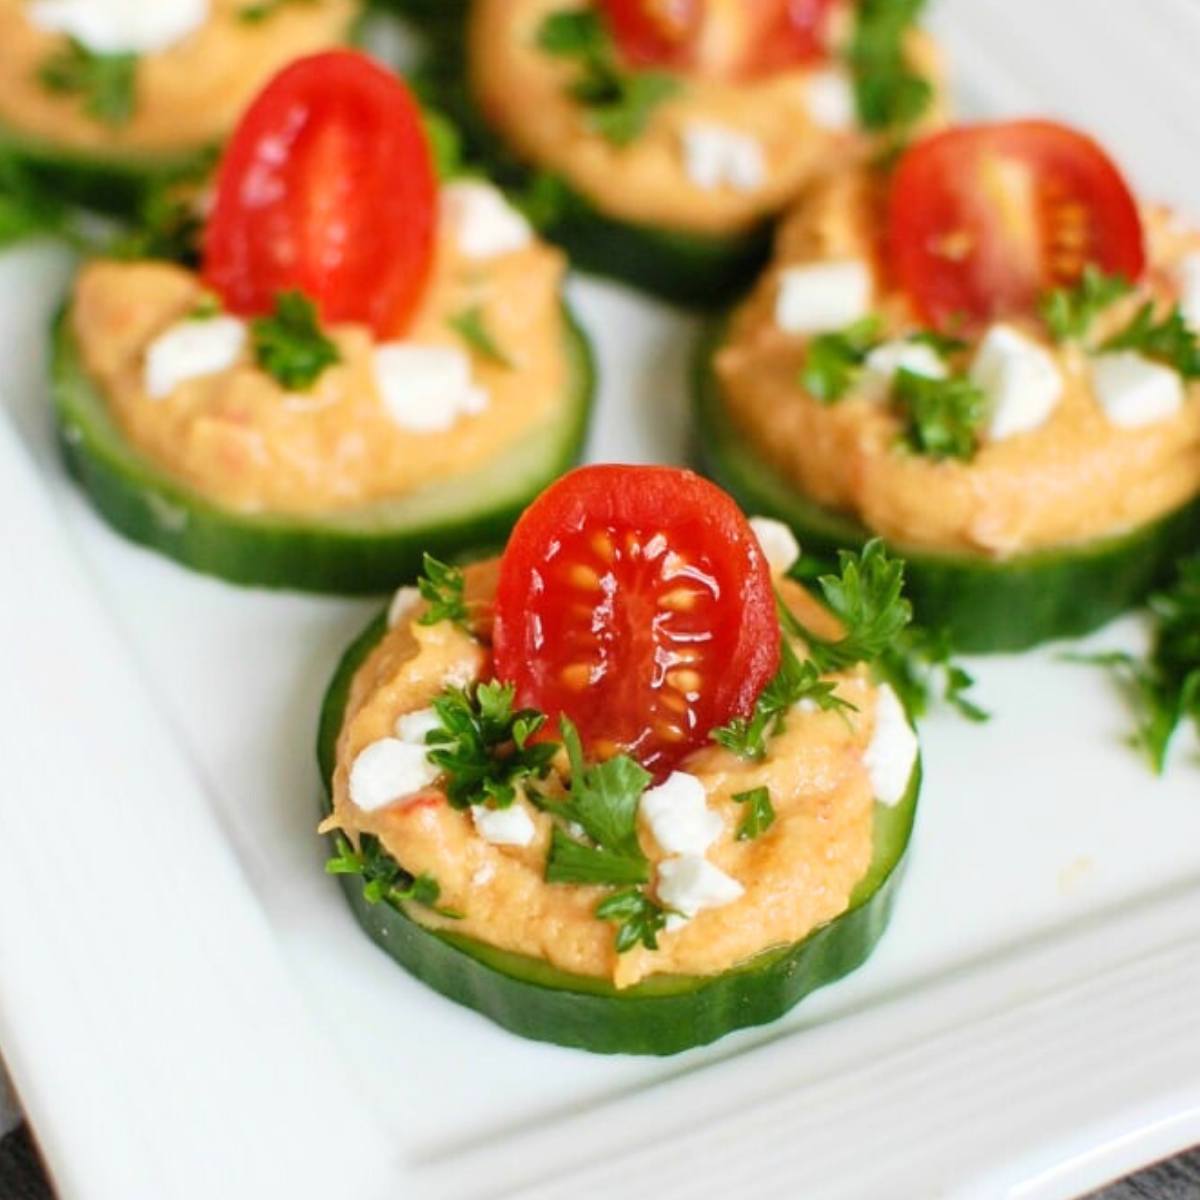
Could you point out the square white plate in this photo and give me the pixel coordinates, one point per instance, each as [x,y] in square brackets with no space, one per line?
[189,1011]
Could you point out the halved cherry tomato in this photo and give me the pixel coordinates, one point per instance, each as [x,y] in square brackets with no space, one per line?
[655,33]
[982,219]
[326,186]
[790,33]
[636,600]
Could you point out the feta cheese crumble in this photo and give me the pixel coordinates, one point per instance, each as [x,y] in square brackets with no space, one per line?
[715,156]
[830,100]
[1020,379]
[823,296]
[778,542]
[425,389]
[121,26]
[404,604]
[690,884]
[412,727]
[190,349]
[892,754]
[387,771]
[485,224]
[885,362]
[1133,391]
[678,815]
[511,826]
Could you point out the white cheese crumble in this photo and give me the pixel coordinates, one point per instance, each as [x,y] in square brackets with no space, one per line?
[1189,289]
[823,296]
[1020,379]
[404,604]
[678,815]
[512,826]
[485,224]
[190,349]
[387,771]
[413,726]
[691,883]
[715,156]
[829,98]
[892,754]
[778,542]
[121,26]
[425,389]
[1133,391]
[885,362]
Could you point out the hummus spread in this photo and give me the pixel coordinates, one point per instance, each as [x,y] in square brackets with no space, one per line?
[238,438]
[524,93]
[1076,478]
[188,97]
[797,875]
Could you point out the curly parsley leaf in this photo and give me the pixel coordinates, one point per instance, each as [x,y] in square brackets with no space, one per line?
[385,881]
[1070,312]
[471,327]
[834,360]
[289,345]
[485,745]
[1169,341]
[760,813]
[573,861]
[640,918]
[942,416]
[104,83]
[443,588]
[619,103]
[921,667]
[891,95]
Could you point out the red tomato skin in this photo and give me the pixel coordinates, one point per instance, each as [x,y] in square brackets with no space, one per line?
[544,625]
[794,33]
[655,33]
[931,202]
[327,186]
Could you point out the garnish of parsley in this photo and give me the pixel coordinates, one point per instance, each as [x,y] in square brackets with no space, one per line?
[443,588]
[385,881]
[27,208]
[1070,312]
[103,83]
[760,813]
[834,360]
[471,327]
[619,102]
[639,919]
[891,95]
[1168,340]
[942,417]
[290,345]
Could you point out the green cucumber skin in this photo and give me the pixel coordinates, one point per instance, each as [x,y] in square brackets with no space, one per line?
[985,606]
[149,508]
[690,270]
[661,1016]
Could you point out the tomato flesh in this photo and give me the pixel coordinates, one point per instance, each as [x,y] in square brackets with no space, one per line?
[637,602]
[791,33]
[655,33]
[327,186]
[983,219]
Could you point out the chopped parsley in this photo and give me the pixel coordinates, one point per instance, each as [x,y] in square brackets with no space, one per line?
[385,881]
[1169,341]
[469,325]
[640,918]
[619,103]
[942,416]
[890,94]
[289,345]
[443,588]
[104,83]
[834,360]
[27,208]
[254,14]
[573,861]
[760,813]
[485,745]
[921,667]
[1070,312]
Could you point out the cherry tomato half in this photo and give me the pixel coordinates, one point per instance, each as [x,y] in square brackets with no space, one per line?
[327,186]
[636,600]
[984,218]
[790,33]
[655,33]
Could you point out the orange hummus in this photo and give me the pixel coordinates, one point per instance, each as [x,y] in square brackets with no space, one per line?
[188,96]
[237,437]
[1076,478]
[524,93]
[797,875]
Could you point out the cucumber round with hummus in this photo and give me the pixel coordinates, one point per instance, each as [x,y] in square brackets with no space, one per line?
[603,857]
[103,105]
[655,151]
[277,421]
[1024,431]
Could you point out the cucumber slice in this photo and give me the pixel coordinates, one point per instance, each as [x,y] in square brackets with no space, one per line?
[358,551]
[662,1015]
[688,269]
[985,605]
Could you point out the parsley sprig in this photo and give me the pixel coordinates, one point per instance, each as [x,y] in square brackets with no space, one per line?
[485,745]
[920,666]
[443,589]
[1169,340]
[639,918]
[290,345]
[385,881]
[619,102]
[104,83]
[834,360]
[1070,312]
[471,327]
[760,813]
[942,417]
[27,207]
[891,95]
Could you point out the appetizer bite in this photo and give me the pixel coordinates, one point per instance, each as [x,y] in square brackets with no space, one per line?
[657,141]
[367,363]
[626,788]
[106,97]
[988,356]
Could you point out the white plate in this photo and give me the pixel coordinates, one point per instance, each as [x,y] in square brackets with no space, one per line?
[189,1010]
